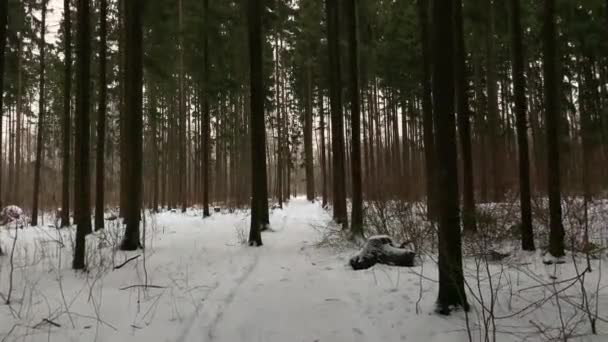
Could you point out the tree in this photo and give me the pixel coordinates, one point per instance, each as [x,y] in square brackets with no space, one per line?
[308,148]
[519,88]
[357,210]
[101,118]
[427,111]
[464,126]
[3,24]
[41,108]
[451,279]
[337,118]
[206,145]
[133,121]
[552,83]
[82,208]
[259,191]
[66,122]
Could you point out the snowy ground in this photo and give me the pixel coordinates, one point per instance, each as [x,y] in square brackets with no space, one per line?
[207,286]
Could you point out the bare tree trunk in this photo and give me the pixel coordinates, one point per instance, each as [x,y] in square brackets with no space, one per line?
[323,152]
[259,190]
[82,208]
[3,23]
[339,193]
[464,126]
[519,84]
[134,122]
[206,120]
[308,148]
[41,114]
[101,119]
[552,114]
[357,198]
[451,278]
[427,112]
[66,121]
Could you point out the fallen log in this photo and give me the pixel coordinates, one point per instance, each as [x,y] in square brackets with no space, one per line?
[381,250]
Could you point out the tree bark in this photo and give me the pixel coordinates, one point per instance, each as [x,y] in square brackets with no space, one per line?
[519,88]
[134,121]
[82,208]
[308,148]
[464,125]
[552,82]
[3,23]
[101,119]
[451,279]
[41,108]
[353,47]
[337,124]
[427,112]
[259,190]
[206,120]
[65,120]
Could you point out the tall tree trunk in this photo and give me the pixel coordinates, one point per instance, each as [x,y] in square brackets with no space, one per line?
[40,119]
[353,47]
[308,148]
[493,116]
[259,190]
[206,120]
[519,85]
[323,153]
[134,122]
[65,120]
[3,23]
[464,126]
[337,125]
[427,112]
[552,115]
[101,119]
[451,279]
[182,115]
[82,176]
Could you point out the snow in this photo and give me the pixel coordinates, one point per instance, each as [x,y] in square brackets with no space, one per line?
[211,287]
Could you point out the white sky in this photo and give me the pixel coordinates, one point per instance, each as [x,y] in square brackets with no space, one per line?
[54,15]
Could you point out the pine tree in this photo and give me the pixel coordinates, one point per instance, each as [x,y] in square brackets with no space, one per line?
[353,39]
[519,88]
[451,278]
[552,83]
[337,118]
[82,208]
[101,119]
[427,111]
[133,121]
[3,25]
[41,114]
[259,192]
[66,121]
[464,125]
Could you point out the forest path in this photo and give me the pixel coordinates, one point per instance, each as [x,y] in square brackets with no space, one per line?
[288,290]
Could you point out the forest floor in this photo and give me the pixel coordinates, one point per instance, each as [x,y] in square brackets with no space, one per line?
[196,281]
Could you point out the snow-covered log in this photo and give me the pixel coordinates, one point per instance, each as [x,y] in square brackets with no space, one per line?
[380,249]
[10,214]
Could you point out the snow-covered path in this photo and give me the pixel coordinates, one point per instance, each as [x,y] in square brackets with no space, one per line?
[208,286]
[289,290]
